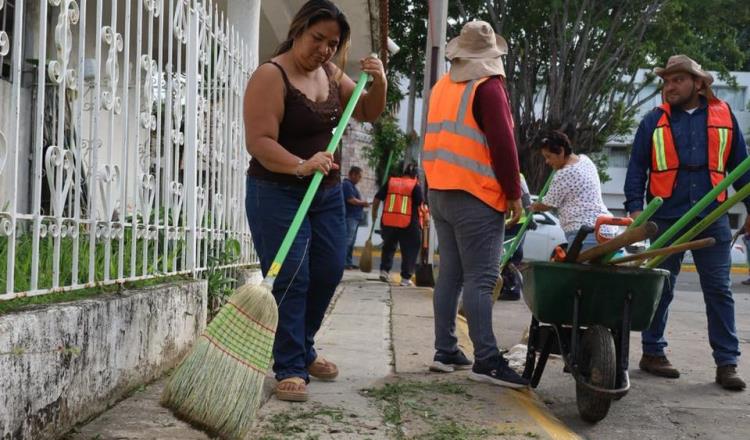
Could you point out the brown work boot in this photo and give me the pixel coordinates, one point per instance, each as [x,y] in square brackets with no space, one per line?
[658,366]
[727,377]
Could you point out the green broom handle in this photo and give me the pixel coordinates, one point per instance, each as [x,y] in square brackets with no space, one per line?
[646,214]
[517,240]
[741,169]
[387,167]
[315,184]
[706,222]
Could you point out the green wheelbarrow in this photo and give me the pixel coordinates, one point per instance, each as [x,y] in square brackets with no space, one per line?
[585,313]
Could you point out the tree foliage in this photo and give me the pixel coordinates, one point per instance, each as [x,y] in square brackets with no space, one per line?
[572,63]
[387,137]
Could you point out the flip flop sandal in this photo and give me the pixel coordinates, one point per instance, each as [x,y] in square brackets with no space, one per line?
[323,370]
[292,389]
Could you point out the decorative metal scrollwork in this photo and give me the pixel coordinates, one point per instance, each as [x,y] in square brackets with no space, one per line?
[3,151]
[58,69]
[151,74]
[110,100]
[6,224]
[147,193]
[178,138]
[59,166]
[4,40]
[109,178]
[180,20]
[176,195]
[153,6]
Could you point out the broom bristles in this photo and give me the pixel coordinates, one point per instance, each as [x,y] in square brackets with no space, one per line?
[365,261]
[219,384]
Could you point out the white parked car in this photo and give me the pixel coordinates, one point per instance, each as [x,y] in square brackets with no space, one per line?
[541,242]
[739,256]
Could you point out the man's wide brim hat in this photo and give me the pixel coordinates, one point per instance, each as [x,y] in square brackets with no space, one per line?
[683,63]
[476,52]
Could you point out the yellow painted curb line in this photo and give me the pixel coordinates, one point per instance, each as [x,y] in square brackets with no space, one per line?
[735,269]
[685,267]
[527,399]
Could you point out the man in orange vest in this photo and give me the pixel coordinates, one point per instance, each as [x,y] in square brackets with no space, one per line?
[683,149]
[471,166]
[400,225]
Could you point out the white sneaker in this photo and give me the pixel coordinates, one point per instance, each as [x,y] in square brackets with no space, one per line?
[406,283]
[384,277]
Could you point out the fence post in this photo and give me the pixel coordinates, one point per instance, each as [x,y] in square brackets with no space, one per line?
[191,137]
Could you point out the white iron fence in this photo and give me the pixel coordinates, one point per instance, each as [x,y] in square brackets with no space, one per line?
[121,143]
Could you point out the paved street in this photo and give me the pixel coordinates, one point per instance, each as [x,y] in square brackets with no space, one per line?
[381,336]
[692,406]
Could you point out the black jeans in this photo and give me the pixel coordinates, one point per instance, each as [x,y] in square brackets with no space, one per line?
[409,239]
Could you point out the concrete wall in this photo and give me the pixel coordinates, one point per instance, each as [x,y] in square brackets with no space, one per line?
[61,364]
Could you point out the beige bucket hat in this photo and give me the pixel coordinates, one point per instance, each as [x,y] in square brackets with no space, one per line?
[476,52]
[683,63]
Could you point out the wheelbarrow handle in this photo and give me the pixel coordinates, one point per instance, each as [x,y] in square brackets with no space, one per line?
[609,220]
[575,248]
[691,245]
[646,230]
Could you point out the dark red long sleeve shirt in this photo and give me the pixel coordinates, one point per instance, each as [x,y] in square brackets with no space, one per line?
[492,111]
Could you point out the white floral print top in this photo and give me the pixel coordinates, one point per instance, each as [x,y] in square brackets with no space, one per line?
[576,193]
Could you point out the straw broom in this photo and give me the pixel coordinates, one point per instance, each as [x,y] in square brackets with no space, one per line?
[219,384]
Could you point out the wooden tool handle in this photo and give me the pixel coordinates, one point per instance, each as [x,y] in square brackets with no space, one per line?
[696,244]
[646,230]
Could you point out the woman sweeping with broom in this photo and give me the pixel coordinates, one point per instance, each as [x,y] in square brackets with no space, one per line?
[292,103]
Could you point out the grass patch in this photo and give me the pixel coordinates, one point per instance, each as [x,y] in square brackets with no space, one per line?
[296,422]
[398,398]
[431,410]
[74,295]
[106,258]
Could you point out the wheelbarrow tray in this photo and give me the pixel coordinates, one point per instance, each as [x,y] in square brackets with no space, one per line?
[550,288]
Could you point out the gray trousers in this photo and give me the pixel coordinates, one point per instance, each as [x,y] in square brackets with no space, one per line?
[470,237]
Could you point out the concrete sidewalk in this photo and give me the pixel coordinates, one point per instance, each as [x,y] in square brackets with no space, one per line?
[381,337]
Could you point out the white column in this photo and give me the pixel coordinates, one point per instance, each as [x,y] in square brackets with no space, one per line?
[245,16]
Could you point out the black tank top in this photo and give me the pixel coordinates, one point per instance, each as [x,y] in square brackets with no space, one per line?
[306,128]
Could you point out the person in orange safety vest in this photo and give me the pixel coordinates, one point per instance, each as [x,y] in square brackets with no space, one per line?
[681,152]
[400,223]
[470,162]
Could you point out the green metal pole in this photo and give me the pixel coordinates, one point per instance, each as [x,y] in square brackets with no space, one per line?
[646,214]
[738,172]
[707,221]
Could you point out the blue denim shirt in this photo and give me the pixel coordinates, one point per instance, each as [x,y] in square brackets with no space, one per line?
[691,140]
[350,190]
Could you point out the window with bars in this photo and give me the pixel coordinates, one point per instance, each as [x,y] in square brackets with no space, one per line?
[7,23]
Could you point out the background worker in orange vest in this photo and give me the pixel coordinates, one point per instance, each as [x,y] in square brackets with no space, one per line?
[402,197]
[471,166]
[682,149]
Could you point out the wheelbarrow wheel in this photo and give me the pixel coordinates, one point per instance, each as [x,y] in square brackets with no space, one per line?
[597,365]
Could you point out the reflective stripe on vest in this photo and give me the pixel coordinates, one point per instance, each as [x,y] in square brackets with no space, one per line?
[397,211]
[455,152]
[665,161]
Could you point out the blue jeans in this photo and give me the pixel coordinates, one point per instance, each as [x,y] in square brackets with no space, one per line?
[312,269]
[352,224]
[713,265]
[470,234]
